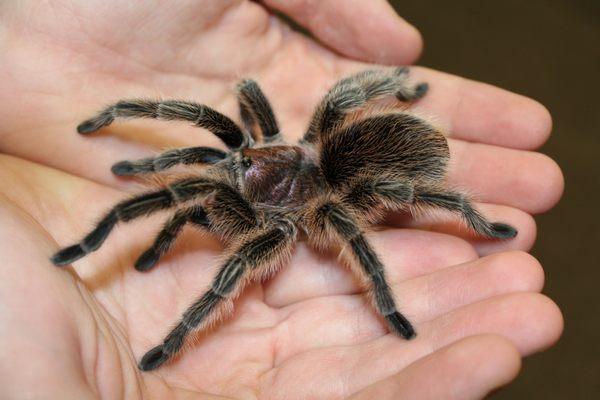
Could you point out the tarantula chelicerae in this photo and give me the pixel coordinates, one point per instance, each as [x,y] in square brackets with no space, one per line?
[338,180]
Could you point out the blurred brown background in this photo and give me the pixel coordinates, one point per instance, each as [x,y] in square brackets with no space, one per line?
[548,50]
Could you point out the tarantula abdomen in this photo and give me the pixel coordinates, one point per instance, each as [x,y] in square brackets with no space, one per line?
[397,145]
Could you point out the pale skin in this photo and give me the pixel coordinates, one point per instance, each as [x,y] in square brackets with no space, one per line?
[309,332]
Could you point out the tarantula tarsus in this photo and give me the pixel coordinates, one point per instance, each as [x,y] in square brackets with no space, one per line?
[339,179]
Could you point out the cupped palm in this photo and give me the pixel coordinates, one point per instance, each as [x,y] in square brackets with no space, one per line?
[308,332]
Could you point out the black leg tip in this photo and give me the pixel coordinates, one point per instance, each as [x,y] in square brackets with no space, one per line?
[87,127]
[420,90]
[401,326]
[146,260]
[244,83]
[503,231]
[68,255]
[153,359]
[123,168]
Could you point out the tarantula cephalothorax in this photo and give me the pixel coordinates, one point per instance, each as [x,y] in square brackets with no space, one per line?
[332,185]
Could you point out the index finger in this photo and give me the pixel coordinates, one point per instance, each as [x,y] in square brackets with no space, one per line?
[479,112]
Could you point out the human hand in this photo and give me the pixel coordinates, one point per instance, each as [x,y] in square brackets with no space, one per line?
[308,332]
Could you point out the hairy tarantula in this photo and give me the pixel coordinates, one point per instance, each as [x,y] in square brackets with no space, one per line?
[338,180]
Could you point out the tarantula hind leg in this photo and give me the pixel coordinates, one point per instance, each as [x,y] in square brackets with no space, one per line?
[348,231]
[355,91]
[458,203]
[168,159]
[253,256]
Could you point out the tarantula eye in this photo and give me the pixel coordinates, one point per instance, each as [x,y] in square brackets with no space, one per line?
[246,162]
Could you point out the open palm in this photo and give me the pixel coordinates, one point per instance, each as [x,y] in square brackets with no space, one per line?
[308,332]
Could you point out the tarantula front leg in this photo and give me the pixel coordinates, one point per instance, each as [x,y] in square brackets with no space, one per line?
[256,109]
[145,204]
[199,114]
[351,93]
[248,120]
[168,159]
[251,259]
[336,217]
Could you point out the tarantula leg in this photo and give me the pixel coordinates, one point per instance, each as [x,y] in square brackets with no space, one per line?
[168,159]
[347,229]
[199,114]
[350,93]
[365,194]
[247,120]
[251,257]
[128,210]
[458,203]
[230,214]
[408,93]
[165,238]
[255,108]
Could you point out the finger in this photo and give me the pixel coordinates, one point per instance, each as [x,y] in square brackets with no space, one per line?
[369,31]
[452,224]
[348,320]
[406,254]
[526,180]
[530,321]
[467,369]
[479,112]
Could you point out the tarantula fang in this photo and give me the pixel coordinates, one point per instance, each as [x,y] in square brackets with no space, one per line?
[355,161]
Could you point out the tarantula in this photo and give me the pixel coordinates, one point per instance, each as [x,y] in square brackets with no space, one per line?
[355,161]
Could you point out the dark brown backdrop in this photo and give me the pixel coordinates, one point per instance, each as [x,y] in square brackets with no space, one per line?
[548,50]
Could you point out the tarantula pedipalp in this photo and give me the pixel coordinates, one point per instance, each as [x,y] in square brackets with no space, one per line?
[332,185]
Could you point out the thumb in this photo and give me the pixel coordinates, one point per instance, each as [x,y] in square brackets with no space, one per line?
[365,30]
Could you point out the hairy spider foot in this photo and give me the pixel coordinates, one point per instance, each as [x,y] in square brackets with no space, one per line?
[93,124]
[420,90]
[90,243]
[68,255]
[147,260]
[503,231]
[127,168]
[413,94]
[400,325]
[153,359]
